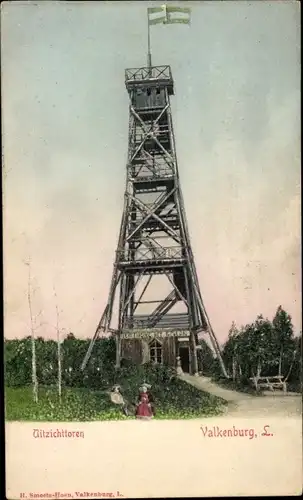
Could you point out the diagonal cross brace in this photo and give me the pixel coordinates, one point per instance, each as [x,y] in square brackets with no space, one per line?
[150,213]
[176,289]
[143,211]
[143,292]
[169,230]
[148,133]
[132,292]
[163,309]
[156,250]
[144,127]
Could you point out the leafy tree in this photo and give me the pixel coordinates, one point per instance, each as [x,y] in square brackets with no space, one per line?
[46,361]
[283,338]
[294,374]
[230,351]
[70,336]
[207,358]
[262,347]
[261,343]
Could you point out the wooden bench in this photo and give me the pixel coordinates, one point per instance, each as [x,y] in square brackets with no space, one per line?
[271,383]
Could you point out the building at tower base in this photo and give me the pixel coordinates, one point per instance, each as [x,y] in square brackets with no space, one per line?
[165,350]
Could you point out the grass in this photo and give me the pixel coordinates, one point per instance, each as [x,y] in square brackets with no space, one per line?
[76,405]
[174,399]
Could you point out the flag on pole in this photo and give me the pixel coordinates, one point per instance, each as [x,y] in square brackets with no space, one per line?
[167,14]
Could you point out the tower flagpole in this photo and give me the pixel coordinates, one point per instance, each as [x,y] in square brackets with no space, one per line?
[149,61]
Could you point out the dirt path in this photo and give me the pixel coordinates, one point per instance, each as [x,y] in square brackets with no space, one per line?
[247,405]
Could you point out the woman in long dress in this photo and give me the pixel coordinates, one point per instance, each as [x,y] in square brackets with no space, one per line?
[144,409]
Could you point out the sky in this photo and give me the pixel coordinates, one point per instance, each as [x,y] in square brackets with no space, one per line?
[64,133]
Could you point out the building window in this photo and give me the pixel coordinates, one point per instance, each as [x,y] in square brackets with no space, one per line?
[155,352]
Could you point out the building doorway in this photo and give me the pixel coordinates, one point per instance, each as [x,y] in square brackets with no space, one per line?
[184,358]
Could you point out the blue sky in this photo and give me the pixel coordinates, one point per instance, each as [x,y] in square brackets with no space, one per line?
[65,124]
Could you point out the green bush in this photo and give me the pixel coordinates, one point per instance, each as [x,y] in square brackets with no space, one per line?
[18,362]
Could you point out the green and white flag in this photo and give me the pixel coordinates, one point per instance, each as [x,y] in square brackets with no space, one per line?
[167,14]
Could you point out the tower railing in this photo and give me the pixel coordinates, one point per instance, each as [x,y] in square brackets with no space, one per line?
[163,253]
[146,73]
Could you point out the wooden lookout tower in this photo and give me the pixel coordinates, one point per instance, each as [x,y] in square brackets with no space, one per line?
[160,312]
